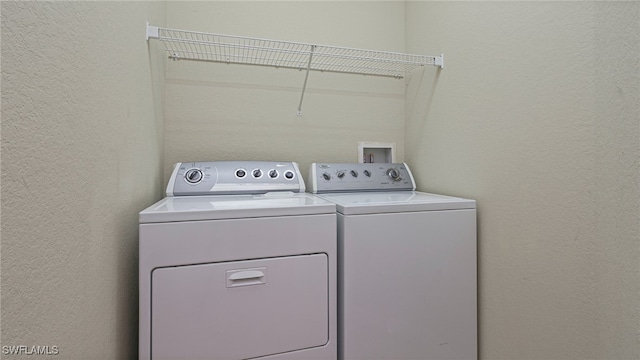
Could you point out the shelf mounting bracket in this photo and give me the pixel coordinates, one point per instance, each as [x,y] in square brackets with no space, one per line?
[153,32]
[439,61]
[306,77]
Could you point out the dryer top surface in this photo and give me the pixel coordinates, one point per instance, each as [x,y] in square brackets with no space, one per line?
[194,208]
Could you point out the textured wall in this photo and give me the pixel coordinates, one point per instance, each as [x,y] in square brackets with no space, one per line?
[232,112]
[536,116]
[82,135]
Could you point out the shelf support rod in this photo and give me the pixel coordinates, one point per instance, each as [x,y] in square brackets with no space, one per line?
[306,77]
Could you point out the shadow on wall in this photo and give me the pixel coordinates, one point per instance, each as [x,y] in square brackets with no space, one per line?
[419,89]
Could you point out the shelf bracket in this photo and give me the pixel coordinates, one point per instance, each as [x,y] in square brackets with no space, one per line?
[153,32]
[306,77]
[439,61]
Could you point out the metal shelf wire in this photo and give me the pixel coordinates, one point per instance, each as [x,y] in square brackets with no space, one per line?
[192,45]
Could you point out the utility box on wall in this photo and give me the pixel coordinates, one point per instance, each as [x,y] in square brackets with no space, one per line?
[375,152]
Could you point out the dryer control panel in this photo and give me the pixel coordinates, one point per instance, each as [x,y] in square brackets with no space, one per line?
[350,177]
[234,177]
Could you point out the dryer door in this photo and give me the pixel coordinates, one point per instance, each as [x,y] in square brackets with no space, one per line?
[240,309]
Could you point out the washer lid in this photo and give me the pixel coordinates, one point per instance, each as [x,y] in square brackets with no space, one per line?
[190,208]
[395,201]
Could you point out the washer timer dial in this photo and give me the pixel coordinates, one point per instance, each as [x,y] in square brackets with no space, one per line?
[394,174]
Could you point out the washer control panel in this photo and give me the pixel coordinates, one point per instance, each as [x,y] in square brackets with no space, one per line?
[343,177]
[234,177]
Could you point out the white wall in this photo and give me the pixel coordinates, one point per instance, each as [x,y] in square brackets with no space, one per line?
[536,116]
[232,112]
[82,138]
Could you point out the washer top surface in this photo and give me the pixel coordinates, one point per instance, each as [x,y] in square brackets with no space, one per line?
[193,208]
[356,203]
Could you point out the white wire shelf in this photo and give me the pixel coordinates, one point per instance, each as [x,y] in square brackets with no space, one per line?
[192,45]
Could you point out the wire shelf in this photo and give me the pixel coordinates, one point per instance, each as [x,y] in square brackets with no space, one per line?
[192,45]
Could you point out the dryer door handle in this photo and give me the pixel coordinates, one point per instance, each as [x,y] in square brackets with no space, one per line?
[244,275]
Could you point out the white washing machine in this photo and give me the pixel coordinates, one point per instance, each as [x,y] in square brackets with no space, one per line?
[406,265]
[237,262]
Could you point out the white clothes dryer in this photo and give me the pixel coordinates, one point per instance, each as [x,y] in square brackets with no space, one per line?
[406,265]
[237,262]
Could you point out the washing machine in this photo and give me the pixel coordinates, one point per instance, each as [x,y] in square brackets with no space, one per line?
[237,262]
[407,287]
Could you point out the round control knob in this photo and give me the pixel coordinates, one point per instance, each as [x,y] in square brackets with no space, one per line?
[340,174]
[240,173]
[367,173]
[273,173]
[326,176]
[394,174]
[354,173]
[288,174]
[193,176]
[257,173]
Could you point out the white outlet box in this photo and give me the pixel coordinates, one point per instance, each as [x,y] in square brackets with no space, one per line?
[376,152]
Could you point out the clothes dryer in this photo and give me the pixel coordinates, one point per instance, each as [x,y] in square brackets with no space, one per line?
[237,262]
[406,265]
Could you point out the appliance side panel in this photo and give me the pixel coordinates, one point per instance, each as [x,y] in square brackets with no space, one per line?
[144,295]
[340,226]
